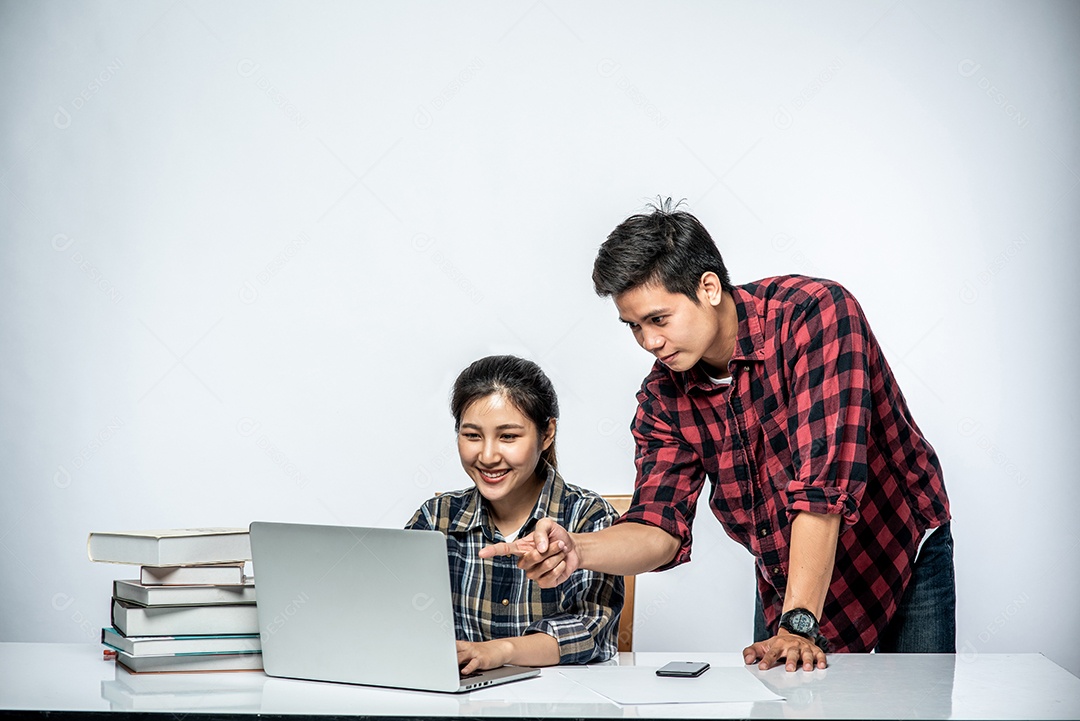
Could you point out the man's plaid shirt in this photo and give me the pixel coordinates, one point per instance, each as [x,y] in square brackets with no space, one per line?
[813,421]
[494,599]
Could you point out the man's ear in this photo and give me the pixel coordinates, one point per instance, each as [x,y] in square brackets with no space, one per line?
[710,290]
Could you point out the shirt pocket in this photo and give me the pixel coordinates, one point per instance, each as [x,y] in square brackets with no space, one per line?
[731,506]
[777,462]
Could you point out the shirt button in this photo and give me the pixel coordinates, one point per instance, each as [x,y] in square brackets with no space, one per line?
[776,570]
[763,531]
[506,601]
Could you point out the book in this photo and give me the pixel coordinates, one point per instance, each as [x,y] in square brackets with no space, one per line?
[191,663]
[223,573]
[173,547]
[134,620]
[182,595]
[178,645]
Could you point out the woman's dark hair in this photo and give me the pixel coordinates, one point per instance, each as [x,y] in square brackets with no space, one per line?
[519,380]
[668,245]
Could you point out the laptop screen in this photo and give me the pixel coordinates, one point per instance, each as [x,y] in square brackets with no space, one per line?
[355,605]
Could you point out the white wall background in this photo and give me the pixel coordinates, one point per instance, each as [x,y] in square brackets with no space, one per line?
[245,248]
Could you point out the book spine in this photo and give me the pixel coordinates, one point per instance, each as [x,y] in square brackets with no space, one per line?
[185,620]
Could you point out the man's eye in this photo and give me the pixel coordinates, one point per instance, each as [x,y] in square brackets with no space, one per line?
[659,320]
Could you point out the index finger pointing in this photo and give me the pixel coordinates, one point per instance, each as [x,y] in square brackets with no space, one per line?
[500,549]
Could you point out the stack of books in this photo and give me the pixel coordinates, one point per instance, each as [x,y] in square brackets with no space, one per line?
[191,609]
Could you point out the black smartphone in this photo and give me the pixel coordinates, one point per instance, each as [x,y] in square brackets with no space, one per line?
[683,669]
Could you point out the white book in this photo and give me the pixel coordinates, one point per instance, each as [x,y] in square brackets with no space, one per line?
[190,664]
[221,573]
[178,645]
[182,595]
[133,620]
[172,547]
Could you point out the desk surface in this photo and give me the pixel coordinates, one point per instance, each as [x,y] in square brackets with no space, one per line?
[73,680]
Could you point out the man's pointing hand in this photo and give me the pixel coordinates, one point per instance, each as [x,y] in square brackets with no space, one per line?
[547,555]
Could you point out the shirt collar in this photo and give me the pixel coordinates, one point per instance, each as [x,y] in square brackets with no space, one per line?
[474,514]
[749,345]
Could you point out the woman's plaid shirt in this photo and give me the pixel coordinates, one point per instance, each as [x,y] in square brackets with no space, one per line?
[813,421]
[494,599]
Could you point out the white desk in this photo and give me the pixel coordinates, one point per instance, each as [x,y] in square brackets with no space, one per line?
[68,680]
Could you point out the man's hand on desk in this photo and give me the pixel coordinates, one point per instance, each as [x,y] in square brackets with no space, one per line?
[788,646]
[547,555]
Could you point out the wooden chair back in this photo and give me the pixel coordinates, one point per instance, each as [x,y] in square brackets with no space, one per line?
[621,503]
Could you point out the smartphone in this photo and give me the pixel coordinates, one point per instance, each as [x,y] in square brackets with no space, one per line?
[684,669]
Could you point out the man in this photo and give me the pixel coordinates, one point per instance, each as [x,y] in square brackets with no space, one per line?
[778,393]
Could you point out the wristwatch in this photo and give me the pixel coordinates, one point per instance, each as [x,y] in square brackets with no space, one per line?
[803,623]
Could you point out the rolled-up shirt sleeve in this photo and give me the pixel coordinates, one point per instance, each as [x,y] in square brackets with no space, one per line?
[670,476]
[830,407]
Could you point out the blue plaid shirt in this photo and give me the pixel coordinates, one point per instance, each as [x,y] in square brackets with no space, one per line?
[494,599]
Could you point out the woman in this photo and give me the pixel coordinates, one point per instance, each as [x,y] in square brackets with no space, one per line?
[505,412]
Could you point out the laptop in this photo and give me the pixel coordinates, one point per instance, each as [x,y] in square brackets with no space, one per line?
[367,606]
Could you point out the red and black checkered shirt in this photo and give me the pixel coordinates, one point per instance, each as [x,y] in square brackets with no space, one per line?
[813,421]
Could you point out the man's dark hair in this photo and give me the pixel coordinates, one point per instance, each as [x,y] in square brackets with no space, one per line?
[668,246]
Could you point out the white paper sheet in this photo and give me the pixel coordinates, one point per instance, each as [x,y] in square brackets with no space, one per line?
[640,685]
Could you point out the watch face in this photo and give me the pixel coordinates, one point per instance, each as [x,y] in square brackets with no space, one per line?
[802,623]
